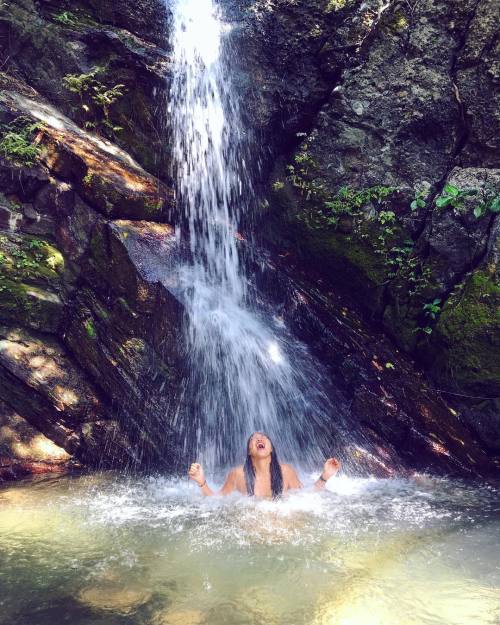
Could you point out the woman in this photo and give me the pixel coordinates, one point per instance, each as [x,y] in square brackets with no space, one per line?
[262,474]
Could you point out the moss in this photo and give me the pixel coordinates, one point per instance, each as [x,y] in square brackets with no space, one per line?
[90,329]
[348,262]
[30,306]
[29,258]
[466,340]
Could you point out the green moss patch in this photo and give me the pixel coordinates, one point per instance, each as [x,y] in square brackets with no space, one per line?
[24,258]
[30,306]
[348,262]
[466,340]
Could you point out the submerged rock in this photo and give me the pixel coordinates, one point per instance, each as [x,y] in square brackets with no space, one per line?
[114,598]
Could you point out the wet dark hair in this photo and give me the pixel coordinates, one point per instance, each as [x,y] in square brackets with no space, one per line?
[276,473]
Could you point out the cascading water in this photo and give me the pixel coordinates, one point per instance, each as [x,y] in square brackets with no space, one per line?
[246,372]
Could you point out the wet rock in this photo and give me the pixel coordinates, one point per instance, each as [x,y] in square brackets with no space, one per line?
[292,55]
[41,383]
[114,598]
[125,331]
[171,616]
[106,177]
[457,238]
[24,450]
[397,421]
[477,80]
[30,282]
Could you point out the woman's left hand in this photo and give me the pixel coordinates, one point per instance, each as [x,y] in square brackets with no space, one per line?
[330,468]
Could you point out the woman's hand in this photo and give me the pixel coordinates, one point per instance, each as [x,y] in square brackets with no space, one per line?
[197,474]
[330,468]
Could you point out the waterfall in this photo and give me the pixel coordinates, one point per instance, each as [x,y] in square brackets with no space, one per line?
[246,372]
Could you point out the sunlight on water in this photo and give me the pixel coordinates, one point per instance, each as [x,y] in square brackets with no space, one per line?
[106,550]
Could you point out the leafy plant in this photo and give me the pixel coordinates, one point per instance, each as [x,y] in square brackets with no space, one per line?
[17,143]
[96,99]
[454,197]
[90,329]
[431,311]
[418,201]
[67,18]
[387,217]
[350,201]
[433,308]
[490,204]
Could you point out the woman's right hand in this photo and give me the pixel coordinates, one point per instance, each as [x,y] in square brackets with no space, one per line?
[196,473]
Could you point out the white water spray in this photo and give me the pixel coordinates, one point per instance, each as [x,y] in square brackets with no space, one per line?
[245,373]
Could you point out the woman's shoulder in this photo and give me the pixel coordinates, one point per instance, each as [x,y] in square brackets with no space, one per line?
[237,471]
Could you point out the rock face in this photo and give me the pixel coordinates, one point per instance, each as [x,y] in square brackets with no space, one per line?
[391,193]
[380,101]
[24,450]
[89,345]
[68,50]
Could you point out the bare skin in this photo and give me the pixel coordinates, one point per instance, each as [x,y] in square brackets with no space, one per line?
[260,449]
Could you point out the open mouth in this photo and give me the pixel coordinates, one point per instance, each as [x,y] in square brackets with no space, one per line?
[261,446]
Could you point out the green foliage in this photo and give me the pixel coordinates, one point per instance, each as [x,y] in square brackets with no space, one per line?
[350,202]
[432,309]
[490,203]
[418,201]
[26,257]
[489,199]
[17,142]
[90,329]
[96,98]
[431,312]
[66,18]
[454,197]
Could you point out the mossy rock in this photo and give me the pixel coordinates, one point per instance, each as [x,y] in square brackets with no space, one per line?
[465,345]
[401,323]
[29,306]
[348,262]
[30,259]
[30,281]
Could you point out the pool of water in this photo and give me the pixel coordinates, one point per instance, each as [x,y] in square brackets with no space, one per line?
[104,549]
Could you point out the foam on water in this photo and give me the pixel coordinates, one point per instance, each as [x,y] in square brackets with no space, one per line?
[106,549]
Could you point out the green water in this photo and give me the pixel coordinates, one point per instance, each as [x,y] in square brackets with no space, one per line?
[102,549]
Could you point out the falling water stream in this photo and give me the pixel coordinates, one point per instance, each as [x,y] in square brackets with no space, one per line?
[246,372]
[106,549]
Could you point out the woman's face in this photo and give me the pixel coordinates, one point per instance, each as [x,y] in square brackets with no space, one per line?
[259,446]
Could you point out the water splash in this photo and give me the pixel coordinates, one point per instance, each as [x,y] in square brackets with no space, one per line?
[246,372]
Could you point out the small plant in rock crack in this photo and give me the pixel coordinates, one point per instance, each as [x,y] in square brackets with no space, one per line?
[490,202]
[17,143]
[418,201]
[454,197]
[96,99]
[66,18]
[431,311]
[349,201]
